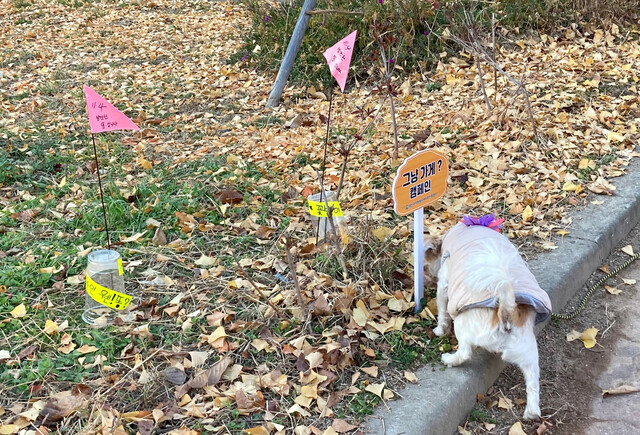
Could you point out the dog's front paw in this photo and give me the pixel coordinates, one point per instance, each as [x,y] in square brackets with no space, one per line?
[531,413]
[441,331]
[449,359]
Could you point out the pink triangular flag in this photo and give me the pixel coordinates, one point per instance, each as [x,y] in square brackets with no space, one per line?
[104,116]
[339,58]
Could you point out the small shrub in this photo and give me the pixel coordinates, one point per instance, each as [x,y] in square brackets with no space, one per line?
[409,30]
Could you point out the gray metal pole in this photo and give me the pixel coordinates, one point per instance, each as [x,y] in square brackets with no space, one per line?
[291,53]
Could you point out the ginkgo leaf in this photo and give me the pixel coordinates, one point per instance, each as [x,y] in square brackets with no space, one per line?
[85,348]
[411,377]
[573,335]
[198,358]
[505,403]
[359,316]
[612,290]
[50,327]
[341,426]
[134,238]
[628,281]
[527,214]
[375,389]
[19,311]
[258,430]
[382,233]
[205,261]
[588,337]
[570,187]
[371,371]
[516,429]
[628,250]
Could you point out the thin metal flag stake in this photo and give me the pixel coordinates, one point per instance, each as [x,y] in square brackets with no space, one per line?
[324,158]
[104,210]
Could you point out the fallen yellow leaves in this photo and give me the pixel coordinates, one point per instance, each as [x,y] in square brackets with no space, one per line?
[50,327]
[19,311]
[628,250]
[517,429]
[85,348]
[570,187]
[588,337]
[66,344]
[612,290]
[411,377]
[527,214]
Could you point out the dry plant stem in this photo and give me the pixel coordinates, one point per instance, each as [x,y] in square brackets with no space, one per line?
[324,156]
[326,137]
[475,48]
[127,374]
[337,241]
[387,74]
[482,86]
[333,11]
[493,46]
[294,275]
[347,151]
[329,210]
[395,127]
[336,237]
[275,309]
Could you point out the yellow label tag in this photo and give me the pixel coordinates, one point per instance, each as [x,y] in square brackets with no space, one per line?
[319,209]
[120,271]
[107,297]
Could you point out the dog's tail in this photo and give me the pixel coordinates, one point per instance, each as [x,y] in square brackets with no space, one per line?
[490,271]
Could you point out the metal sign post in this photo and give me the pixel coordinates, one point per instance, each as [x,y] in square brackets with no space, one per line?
[420,180]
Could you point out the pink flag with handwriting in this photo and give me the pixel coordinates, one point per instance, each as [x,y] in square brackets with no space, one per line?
[104,116]
[339,58]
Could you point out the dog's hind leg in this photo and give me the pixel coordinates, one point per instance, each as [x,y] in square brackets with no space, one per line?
[526,357]
[442,299]
[461,355]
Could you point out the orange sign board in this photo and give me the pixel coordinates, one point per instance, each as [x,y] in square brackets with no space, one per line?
[420,180]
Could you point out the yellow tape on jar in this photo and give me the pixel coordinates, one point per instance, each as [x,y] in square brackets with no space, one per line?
[107,297]
[120,271]
[319,209]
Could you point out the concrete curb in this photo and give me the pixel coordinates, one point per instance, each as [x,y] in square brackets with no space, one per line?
[442,399]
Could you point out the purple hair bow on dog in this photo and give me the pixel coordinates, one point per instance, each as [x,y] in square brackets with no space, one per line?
[488,220]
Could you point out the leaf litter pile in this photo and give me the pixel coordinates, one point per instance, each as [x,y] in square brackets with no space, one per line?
[244,324]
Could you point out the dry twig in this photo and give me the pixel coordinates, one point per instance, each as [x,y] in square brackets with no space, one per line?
[257,290]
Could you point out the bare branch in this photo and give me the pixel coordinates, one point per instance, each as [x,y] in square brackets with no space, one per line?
[275,309]
[333,11]
[294,275]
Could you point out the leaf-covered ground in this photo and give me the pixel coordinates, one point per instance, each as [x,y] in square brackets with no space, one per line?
[201,200]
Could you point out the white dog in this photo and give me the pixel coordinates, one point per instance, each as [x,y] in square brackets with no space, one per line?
[494,300]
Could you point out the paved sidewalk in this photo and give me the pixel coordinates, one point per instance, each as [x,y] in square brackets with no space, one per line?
[442,399]
[619,415]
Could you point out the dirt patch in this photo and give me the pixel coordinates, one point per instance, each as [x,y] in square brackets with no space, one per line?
[568,370]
